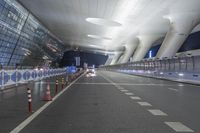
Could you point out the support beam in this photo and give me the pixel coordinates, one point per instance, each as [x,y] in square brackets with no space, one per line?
[128,52]
[181,26]
[120,58]
[116,58]
[108,61]
[145,44]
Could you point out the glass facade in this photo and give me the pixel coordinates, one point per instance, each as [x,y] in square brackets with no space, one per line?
[23,40]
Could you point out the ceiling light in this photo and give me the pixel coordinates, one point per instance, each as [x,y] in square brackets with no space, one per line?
[103,22]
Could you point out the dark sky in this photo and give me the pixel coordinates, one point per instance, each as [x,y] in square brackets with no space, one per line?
[90,58]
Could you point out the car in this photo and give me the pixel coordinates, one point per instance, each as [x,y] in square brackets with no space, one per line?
[90,72]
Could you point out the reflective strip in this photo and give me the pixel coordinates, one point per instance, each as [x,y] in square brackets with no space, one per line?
[29,95]
[29,91]
[29,100]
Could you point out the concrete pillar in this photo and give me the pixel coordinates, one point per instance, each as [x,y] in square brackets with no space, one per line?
[120,58]
[116,58]
[128,52]
[180,27]
[145,44]
[110,57]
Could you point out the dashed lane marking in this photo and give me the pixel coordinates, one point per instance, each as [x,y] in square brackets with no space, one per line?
[129,93]
[135,98]
[144,103]
[34,115]
[172,89]
[180,84]
[124,90]
[178,127]
[157,112]
[94,83]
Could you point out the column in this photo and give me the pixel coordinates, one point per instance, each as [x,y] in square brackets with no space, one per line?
[128,52]
[181,26]
[116,58]
[145,44]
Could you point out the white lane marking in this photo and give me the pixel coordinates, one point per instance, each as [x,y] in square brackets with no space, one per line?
[172,89]
[157,112]
[135,98]
[120,88]
[124,90]
[178,127]
[144,103]
[125,84]
[94,83]
[35,114]
[180,84]
[129,93]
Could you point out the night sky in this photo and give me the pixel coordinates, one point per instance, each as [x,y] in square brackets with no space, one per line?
[90,58]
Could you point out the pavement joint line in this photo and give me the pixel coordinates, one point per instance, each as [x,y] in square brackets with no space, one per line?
[178,127]
[172,89]
[129,84]
[144,104]
[157,112]
[135,97]
[35,114]
[129,93]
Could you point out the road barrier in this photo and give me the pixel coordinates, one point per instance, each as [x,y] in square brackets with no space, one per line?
[63,82]
[29,100]
[56,88]
[15,77]
[184,69]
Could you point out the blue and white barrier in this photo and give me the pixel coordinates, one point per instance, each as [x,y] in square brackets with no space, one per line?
[11,77]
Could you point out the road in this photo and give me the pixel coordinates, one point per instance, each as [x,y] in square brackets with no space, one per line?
[120,103]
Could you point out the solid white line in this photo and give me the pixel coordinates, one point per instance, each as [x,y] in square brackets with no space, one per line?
[157,112]
[35,114]
[126,84]
[129,93]
[144,103]
[172,89]
[178,127]
[135,98]
[116,85]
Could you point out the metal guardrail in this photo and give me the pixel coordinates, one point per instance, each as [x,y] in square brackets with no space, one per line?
[178,68]
[12,77]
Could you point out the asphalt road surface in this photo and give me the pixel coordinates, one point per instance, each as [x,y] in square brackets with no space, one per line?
[119,103]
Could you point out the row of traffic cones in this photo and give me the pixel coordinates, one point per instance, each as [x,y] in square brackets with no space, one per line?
[47,95]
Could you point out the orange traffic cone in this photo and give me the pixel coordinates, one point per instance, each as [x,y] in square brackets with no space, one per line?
[47,95]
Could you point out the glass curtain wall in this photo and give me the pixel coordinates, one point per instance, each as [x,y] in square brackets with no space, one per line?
[23,40]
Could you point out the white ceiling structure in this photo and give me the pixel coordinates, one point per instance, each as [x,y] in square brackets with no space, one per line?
[110,25]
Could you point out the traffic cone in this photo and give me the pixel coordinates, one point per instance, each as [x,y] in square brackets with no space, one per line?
[47,95]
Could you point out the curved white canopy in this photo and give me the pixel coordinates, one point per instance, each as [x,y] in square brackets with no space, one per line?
[67,19]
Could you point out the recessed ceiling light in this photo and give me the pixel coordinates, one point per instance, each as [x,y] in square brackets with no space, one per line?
[103,22]
[99,37]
